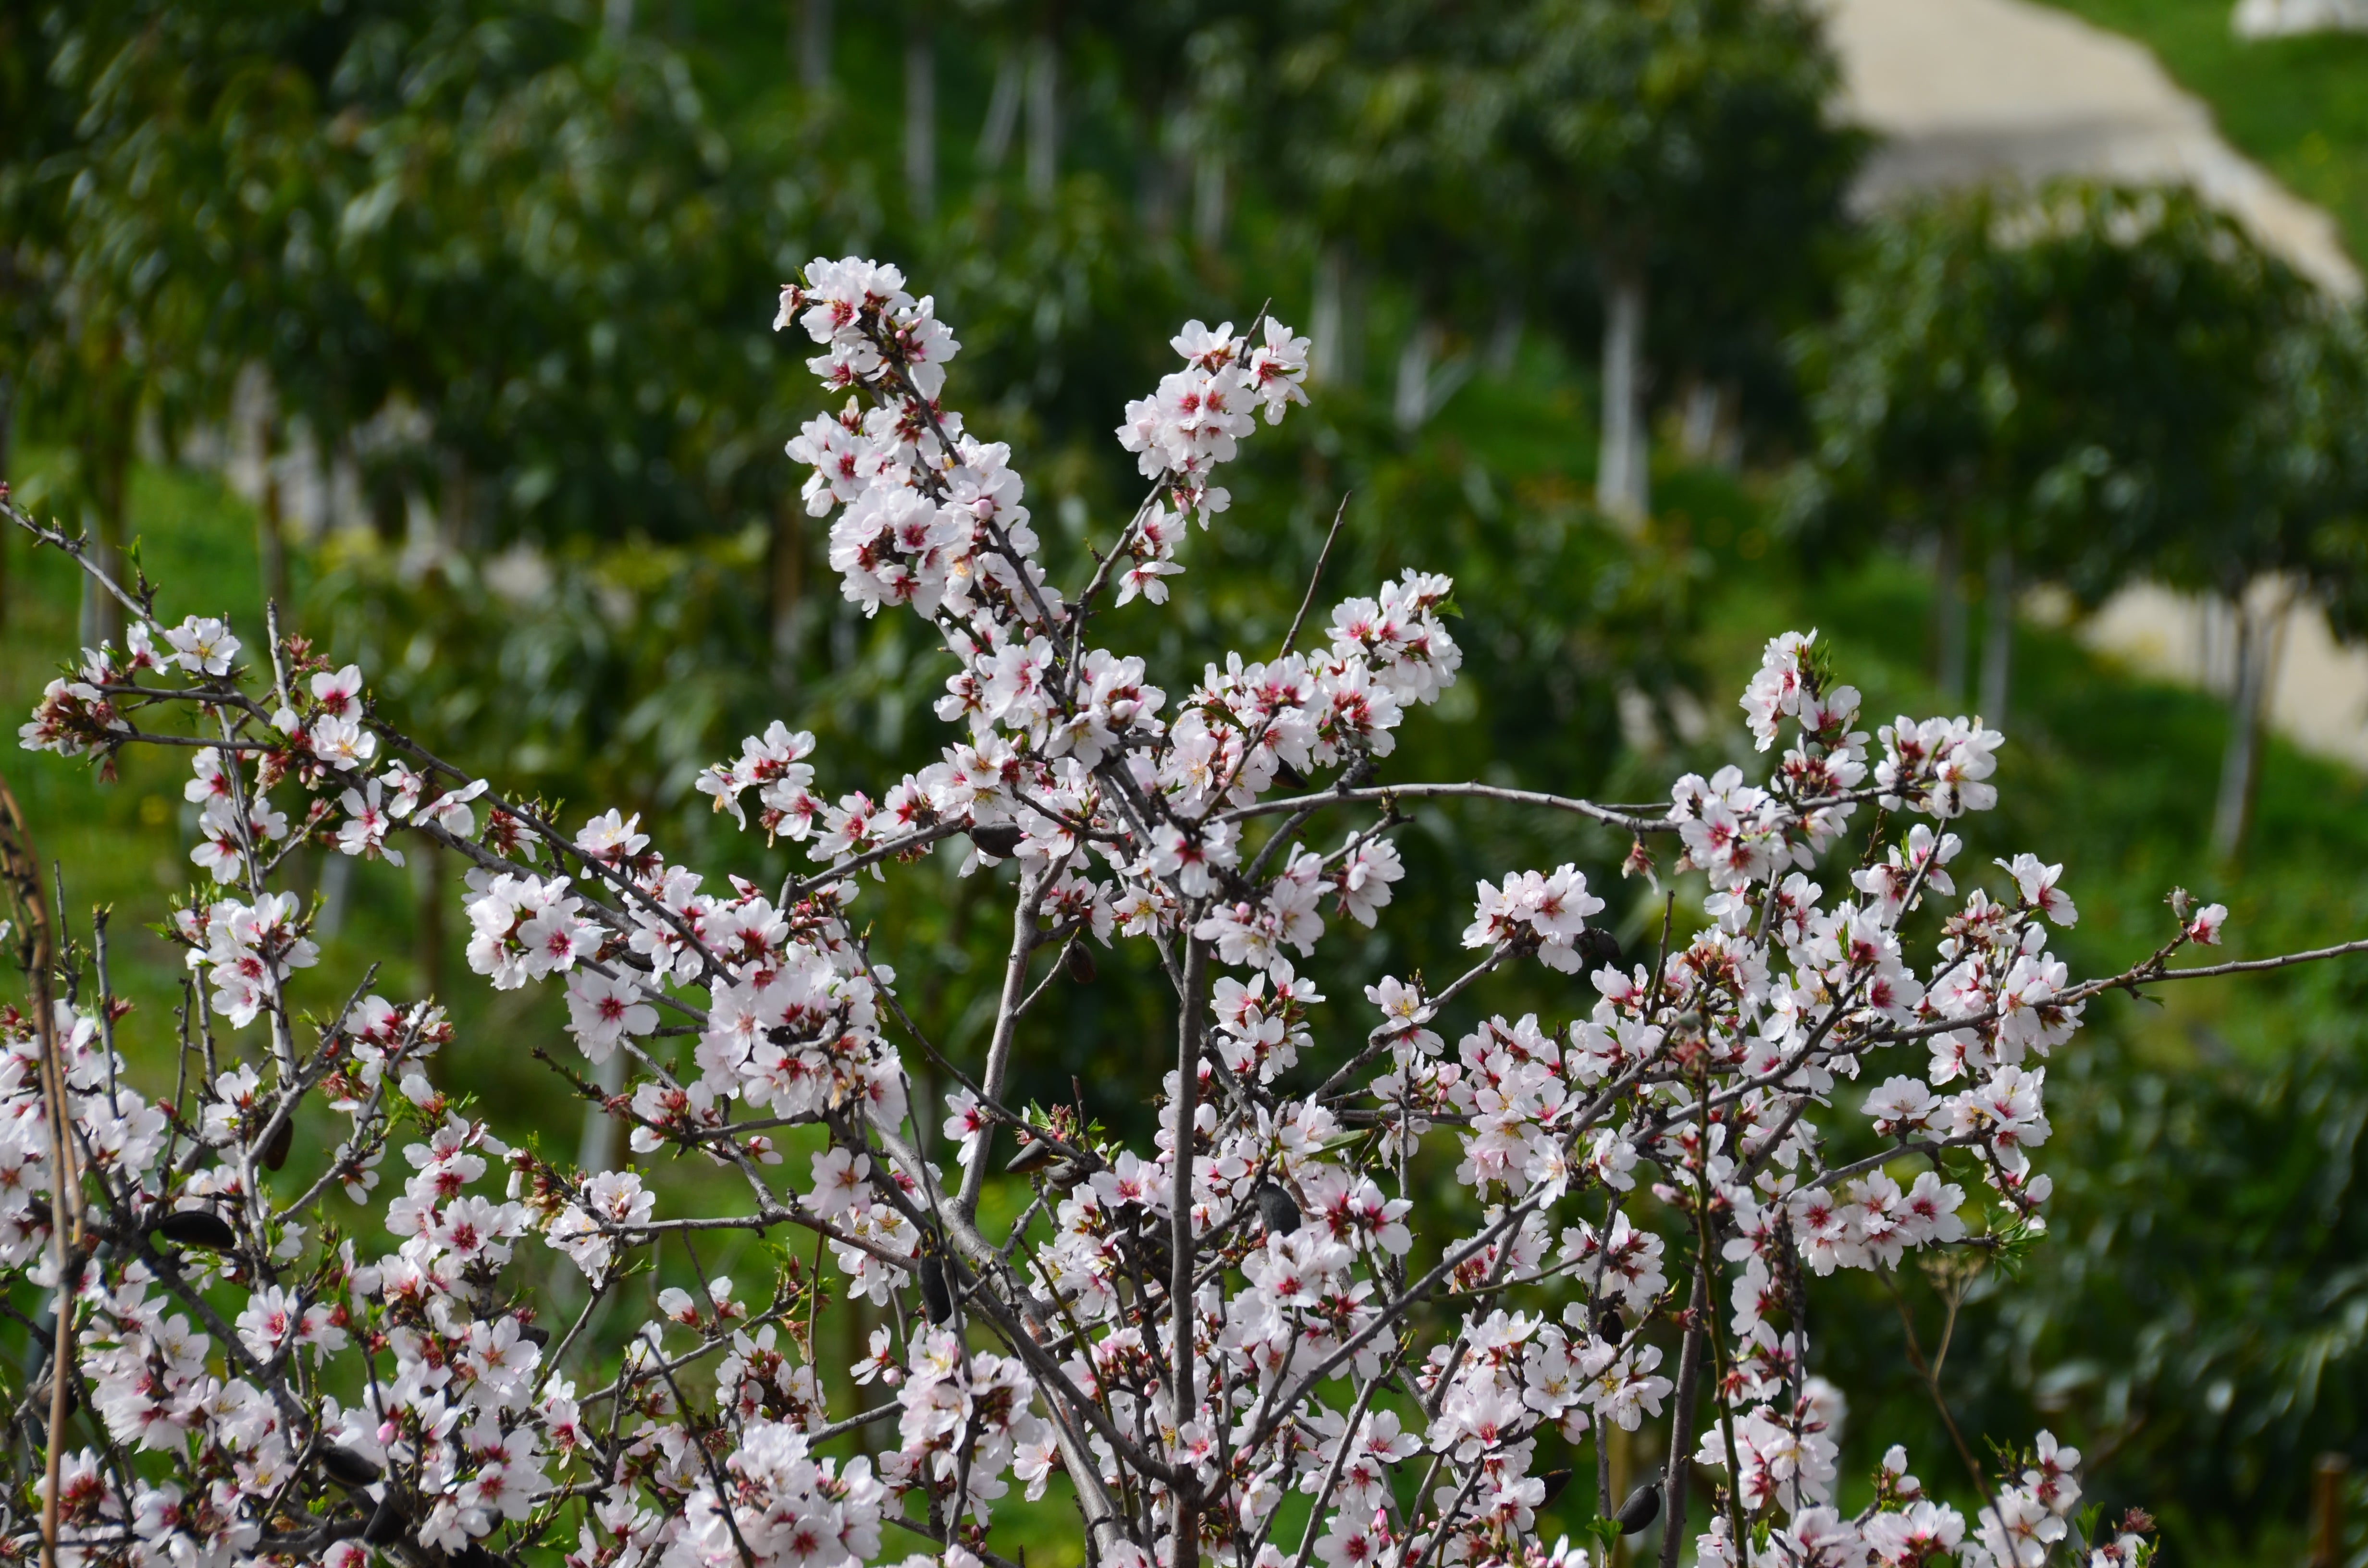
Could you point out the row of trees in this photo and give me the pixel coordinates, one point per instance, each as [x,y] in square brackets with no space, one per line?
[496,254]
[2086,387]
[490,259]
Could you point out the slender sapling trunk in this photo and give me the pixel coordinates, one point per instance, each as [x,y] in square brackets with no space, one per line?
[1621,483]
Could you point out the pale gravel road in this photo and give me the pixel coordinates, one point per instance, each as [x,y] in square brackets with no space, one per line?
[1971,90]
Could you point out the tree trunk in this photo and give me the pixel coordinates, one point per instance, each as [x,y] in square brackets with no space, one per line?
[597,1150]
[110,473]
[921,115]
[1043,114]
[1997,636]
[1327,317]
[271,534]
[2258,628]
[1411,404]
[1949,614]
[1209,199]
[1621,489]
[336,886]
[814,44]
[1185,1537]
[427,930]
[1002,111]
[1505,337]
[1707,434]
[1682,1414]
[1699,426]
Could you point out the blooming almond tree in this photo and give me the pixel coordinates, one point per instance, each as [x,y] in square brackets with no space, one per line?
[1231,1342]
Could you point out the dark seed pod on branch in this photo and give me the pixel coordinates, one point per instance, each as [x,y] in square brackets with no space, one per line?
[44,1340]
[346,1468]
[1276,1208]
[1637,1513]
[1079,963]
[275,1154]
[1555,1480]
[936,1300]
[197,1228]
[386,1524]
[996,838]
[1598,947]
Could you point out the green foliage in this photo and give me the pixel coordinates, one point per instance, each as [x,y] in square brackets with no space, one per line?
[1684,134]
[2109,382]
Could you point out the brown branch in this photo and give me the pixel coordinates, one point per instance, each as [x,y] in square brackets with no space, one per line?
[21,868]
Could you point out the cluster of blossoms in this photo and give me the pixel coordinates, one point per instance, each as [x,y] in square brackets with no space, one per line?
[1270,1299]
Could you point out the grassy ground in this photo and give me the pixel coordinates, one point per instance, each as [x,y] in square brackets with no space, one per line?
[2298,105]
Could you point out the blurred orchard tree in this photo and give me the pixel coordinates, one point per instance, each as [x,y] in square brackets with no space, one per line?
[2089,386]
[506,264]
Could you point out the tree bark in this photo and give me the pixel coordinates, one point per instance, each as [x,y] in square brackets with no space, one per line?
[1681,1413]
[1621,483]
[921,114]
[2257,653]
[1997,636]
[1186,1552]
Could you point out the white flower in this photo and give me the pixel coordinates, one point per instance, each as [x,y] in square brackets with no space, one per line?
[601,1011]
[203,645]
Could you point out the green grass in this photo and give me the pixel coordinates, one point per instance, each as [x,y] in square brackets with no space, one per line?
[2299,106]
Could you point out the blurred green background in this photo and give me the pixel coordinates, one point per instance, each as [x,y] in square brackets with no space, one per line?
[446,325]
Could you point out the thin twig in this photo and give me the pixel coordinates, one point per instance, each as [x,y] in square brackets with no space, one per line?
[1315,576]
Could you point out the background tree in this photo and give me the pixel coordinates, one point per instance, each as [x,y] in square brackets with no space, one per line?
[1681,134]
[2086,386]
